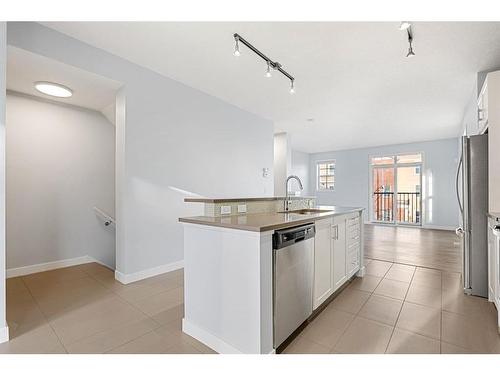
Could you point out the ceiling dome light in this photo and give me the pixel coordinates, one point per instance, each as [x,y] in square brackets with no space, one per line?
[53,89]
[268,71]
[404,25]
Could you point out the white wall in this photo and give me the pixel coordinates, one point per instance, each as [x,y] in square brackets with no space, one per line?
[352,178]
[176,140]
[60,164]
[3,57]
[300,168]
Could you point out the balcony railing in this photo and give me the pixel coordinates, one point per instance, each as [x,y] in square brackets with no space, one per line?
[408,209]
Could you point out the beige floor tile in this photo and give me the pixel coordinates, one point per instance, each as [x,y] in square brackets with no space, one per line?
[400,272]
[68,296]
[381,309]
[453,349]
[377,268]
[364,336]
[57,276]
[39,340]
[467,332]
[14,285]
[112,338]
[427,277]
[301,345]
[424,295]
[175,313]
[157,342]
[174,331]
[327,328]
[405,342]
[457,302]
[392,289]
[366,284]
[420,319]
[366,261]
[94,317]
[23,314]
[95,269]
[160,302]
[452,281]
[350,300]
[141,290]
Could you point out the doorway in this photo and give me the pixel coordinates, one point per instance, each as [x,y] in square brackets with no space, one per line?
[396,189]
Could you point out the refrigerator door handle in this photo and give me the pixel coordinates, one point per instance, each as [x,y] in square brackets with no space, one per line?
[456,185]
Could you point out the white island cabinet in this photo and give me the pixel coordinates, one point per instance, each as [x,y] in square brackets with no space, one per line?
[228,273]
[337,254]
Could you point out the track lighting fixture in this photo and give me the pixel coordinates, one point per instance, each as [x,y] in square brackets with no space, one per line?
[270,63]
[405,25]
[236,46]
[268,72]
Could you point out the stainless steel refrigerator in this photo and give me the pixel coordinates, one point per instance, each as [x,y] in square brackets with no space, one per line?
[472,195]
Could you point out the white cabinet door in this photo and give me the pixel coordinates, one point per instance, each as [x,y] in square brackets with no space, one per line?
[339,266]
[322,262]
[353,244]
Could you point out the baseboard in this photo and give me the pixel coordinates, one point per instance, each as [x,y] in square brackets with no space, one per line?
[4,334]
[438,227]
[424,226]
[125,278]
[41,267]
[213,342]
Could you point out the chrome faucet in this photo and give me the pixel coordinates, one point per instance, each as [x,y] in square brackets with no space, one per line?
[286,188]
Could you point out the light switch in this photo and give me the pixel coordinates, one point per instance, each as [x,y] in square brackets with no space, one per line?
[225,210]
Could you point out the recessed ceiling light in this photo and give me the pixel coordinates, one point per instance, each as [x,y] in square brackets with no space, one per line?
[53,89]
[404,25]
[310,119]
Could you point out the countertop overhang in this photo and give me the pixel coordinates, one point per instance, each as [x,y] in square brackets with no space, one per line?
[263,222]
[254,199]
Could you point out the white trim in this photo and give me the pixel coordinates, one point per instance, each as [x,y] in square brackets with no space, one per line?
[213,342]
[438,227]
[150,272]
[26,270]
[4,334]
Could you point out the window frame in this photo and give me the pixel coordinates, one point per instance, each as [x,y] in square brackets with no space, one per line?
[318,175]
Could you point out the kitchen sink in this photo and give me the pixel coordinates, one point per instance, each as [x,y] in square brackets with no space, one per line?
[306,211]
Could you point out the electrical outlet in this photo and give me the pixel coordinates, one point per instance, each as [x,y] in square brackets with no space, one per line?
[225,210]
[242,208]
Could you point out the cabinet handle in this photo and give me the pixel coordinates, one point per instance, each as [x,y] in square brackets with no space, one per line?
[336,233]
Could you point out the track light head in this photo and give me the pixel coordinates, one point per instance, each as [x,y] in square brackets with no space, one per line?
[410,52]
[268,71]
[404,25]
[236,46]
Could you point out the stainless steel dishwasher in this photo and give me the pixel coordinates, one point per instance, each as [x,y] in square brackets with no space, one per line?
[293,267]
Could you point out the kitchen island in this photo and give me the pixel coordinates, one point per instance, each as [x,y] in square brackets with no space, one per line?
[228,270]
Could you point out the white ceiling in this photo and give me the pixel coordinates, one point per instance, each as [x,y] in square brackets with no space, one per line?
[89,90]
[352,78]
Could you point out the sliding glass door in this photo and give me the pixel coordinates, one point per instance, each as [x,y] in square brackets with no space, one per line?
[396,189]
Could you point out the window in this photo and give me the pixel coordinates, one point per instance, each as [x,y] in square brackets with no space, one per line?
[326,175]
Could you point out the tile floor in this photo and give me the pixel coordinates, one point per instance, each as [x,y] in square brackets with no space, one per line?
[398,308]
[82,309]
[394,309]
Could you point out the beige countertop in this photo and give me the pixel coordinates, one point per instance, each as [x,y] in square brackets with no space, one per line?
[222,200]
[268,221]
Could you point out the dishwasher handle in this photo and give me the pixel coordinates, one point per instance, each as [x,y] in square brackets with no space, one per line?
[287,237]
